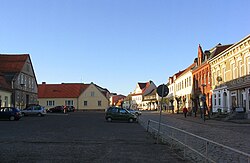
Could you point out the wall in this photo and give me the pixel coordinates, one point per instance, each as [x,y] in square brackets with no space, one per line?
[92,95]
[4,94]
[58,101]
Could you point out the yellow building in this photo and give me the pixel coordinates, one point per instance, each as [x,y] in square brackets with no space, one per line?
[230,72]
[81,96]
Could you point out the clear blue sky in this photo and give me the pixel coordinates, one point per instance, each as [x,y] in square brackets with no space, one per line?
[117,43]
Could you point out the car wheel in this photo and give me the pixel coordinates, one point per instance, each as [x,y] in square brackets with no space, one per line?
[131,120]
[109,119]
[12,118]
[39,114]
[137,114]
[23,114]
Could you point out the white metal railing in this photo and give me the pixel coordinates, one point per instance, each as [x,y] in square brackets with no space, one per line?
[194,147]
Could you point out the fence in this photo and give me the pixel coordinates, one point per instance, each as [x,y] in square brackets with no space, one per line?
[194,147]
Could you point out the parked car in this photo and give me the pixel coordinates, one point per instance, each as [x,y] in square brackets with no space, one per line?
[57,109]
[116,113]
[10,113]
[70,108]
[136,112]
[34,110]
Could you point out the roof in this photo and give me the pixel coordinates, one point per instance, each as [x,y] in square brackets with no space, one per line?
[12,62]
[64,90]
[143,87]
[218,49]
[153,92]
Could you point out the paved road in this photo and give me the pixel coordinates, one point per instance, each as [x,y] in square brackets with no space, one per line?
[79,137]
[234,135]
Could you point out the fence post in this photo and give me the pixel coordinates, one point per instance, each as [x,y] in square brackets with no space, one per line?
[148,125]
[185,146]
[206,152]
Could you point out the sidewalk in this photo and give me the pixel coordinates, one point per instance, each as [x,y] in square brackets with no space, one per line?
[234,134]
[198,119]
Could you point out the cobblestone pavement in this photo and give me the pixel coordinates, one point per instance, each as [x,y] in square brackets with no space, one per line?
[79,137]
[234,135]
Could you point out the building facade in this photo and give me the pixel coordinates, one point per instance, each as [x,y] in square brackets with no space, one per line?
[81,96]
[183,89]
[19,74]
[140,91]
[5,92]
[231,78]
[202,91]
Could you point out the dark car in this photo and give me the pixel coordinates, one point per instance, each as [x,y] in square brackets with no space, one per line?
[70,108]
[136,112]
[116,113]
[34,110]
[10,113]
[56,109]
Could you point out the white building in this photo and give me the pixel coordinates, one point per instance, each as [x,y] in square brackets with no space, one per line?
[140,91]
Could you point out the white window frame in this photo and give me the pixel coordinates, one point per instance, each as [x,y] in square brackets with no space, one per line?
[50,103]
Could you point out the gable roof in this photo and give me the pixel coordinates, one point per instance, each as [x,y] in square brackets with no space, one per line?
[218,49]
[12,63]
[64,90]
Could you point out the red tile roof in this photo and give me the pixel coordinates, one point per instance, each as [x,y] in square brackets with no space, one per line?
[12,62]
[64,90]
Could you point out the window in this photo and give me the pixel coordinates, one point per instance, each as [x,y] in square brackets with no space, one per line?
[205,79]
[122,111]
[69,102]
[240,69]
[218,75]
[85,103]
[208,78]
[224,74]
[214,81]
[6,101]
[92,94]
[190,81]
[219,99]
[0,101]
[215,99]
[99,103]
[248,66]
[50,103]
[233,71]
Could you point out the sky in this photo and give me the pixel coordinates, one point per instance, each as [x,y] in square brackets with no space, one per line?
[117,43]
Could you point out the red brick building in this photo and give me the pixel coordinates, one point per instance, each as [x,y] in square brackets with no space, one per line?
[202,76]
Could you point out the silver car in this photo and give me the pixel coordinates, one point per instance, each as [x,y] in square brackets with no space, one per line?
[34,110]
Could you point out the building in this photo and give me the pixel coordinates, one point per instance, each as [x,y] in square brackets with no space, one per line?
[20,75]
[202,92]
[140,91]
[151,100]
[5,92]
[184,89]
[116,100]
[231,78]
[172,99]
[81,96]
